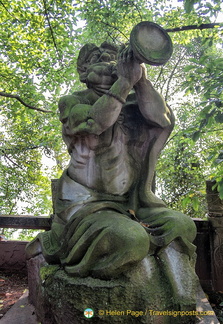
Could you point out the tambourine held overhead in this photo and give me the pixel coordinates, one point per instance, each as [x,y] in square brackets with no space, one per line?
[150,43]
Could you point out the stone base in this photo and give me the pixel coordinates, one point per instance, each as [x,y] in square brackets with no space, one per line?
[155,292]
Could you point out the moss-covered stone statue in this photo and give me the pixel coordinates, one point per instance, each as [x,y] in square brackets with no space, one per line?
[107,217]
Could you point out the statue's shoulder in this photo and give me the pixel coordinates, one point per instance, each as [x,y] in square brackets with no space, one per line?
[82,96]
[77,96]
[68,102]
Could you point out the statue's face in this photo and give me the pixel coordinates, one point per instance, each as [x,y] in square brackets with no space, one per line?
[101,72]
[103,55]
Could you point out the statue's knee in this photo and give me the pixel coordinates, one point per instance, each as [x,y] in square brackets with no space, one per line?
[134,240]
[187,225]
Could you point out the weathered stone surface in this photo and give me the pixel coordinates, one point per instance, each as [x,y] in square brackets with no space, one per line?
[12,255]
[155,284]
[151,44]
[33,266]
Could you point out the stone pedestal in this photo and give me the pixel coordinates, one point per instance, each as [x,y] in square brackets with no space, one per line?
[156,291]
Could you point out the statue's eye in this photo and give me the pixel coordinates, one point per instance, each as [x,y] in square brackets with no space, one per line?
[113,58]
[94,58]
[105,57]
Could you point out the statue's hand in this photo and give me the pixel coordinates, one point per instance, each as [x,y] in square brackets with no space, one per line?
[164,230]
[167,225]
[128,68]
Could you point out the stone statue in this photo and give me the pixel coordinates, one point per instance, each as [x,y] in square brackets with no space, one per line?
[107,215]
[114,247]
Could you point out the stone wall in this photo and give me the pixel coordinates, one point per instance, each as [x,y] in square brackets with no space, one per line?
[12,255]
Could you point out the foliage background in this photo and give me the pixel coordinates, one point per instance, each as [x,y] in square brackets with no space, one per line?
[40,41]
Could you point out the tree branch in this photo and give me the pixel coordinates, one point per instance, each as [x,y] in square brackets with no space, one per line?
[51,31]
[9,95]
[114,27]
[172,74]
[14,163]
[191,27]
[202,132]
[8,11]
[15,150]
[159,75]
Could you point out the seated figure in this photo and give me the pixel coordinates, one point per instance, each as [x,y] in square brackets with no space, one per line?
[107,215]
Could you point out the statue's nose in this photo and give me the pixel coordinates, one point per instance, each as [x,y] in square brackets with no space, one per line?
[81,148]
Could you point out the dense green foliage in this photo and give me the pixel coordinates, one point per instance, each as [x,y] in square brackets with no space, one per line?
[40,41]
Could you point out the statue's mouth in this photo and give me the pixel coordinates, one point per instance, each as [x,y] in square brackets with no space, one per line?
[100,89]
[103,87]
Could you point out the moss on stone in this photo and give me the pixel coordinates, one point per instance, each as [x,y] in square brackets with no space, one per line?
[47,271]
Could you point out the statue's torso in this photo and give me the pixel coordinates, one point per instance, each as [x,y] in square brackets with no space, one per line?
[111,162]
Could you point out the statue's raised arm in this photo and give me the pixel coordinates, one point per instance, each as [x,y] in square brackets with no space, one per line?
[109,84]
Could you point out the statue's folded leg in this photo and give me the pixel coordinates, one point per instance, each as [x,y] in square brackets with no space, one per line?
[104,245]
[166,225]
[171,238]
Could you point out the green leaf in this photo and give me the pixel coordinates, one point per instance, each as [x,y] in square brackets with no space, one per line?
[186,201]
[189,68]
[196,136]
[219,117]
[220,188]
[195,203]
